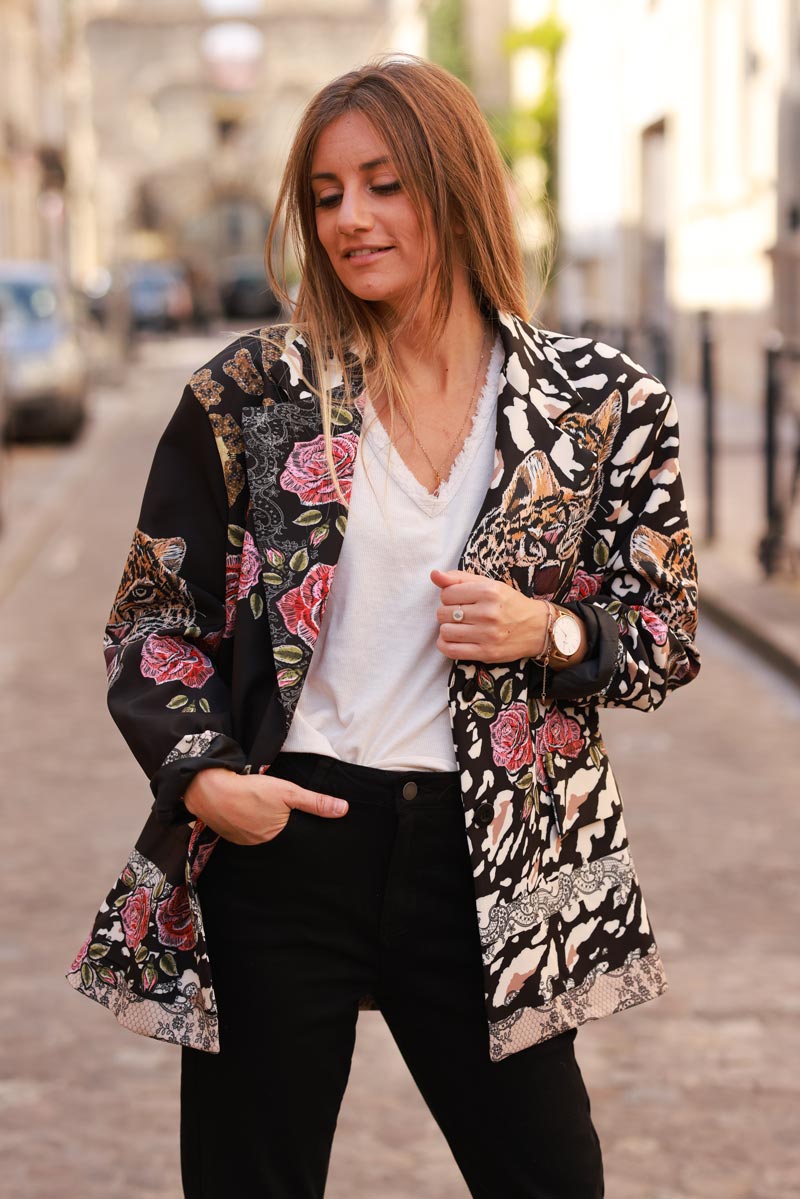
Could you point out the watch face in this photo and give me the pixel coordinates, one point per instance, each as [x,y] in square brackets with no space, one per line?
[567,635]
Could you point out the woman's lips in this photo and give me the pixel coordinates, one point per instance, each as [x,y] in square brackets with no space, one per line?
[367,255]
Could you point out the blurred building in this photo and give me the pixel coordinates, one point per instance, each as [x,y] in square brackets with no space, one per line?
[680,177]
[194,104]
[508,81]
[32,174]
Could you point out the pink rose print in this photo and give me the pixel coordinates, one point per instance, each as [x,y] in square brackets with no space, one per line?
[559,735]
[135,916]
[654,624]
[306,472]
[302,607]
[242,572]
[250,569]
[169,660]
[174,921]
[81,954]
[583,585]
[203,854]
[511,738]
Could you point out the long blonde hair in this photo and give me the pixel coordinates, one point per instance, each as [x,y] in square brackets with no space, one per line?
[452,174]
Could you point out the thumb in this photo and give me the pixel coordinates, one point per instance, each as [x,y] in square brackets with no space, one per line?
[445,578]
[316,802]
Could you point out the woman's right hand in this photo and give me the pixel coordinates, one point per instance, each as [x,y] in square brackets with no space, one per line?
[248,809]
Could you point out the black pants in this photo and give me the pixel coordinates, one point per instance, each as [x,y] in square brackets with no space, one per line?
[379,901]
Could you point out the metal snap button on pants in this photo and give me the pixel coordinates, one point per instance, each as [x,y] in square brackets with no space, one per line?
[379,902]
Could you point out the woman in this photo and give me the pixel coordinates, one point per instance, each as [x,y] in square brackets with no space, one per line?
[516,556]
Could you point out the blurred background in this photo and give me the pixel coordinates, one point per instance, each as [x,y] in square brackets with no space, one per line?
[654,149]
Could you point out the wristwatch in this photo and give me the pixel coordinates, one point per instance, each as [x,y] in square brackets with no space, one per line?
[565,636]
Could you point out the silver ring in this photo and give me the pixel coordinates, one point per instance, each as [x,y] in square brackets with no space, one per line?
[458,615]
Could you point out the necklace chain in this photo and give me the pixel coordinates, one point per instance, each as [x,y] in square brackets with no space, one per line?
[470,406]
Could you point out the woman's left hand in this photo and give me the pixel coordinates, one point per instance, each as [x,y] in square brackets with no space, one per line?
[500,624]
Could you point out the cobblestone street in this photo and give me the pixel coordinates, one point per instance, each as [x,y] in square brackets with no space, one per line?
[695,1096]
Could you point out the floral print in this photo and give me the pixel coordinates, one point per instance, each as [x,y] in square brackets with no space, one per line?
[168,660]
[307,473]
[303,607]
[559,734]
[511,738]
[135,916]
[655,626]
[584,585]
[174,920]
[249,568]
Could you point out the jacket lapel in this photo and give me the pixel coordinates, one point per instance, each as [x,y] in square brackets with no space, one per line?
[528,529]
[298,519]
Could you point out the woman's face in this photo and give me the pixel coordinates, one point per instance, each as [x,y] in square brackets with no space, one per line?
[365,220]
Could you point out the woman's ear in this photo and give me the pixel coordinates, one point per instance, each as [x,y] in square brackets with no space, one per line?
[458,228]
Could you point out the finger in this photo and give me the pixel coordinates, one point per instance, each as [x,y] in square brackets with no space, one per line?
[457,632]
[461,649]
[444,613]
[469,591]
[442,577]
[452,578]
[316,802]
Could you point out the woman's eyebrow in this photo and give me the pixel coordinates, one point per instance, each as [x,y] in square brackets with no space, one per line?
[365,166]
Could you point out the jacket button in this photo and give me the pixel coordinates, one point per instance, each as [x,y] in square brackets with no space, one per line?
[484,813]
[410,791]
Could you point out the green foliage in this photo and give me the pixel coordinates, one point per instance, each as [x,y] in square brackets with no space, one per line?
[447,43]
[535,130]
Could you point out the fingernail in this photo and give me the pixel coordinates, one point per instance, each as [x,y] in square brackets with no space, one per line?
[339,806]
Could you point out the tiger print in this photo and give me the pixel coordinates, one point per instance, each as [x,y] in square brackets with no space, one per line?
[531,538]
[151,597]
[667,562]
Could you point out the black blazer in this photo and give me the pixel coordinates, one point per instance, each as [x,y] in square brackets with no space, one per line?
[219,609]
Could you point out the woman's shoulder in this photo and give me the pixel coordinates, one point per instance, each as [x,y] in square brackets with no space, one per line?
[237,375]
[595,370]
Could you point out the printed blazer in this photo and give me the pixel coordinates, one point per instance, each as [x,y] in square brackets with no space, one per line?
[220,605]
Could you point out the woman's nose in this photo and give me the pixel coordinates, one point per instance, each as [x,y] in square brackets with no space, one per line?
[354,211]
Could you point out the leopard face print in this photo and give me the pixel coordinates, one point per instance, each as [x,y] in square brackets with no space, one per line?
[151,597]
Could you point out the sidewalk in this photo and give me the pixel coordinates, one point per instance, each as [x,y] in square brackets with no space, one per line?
[762,613]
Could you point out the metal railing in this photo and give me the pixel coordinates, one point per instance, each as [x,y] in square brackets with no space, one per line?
[647,343]
[779,548]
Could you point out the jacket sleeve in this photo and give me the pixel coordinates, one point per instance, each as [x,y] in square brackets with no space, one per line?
[166,647]
[640,600]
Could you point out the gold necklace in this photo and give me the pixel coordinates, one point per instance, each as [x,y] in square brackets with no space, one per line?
[435,469]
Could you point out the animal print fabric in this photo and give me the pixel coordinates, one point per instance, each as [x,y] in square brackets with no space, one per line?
[220,607]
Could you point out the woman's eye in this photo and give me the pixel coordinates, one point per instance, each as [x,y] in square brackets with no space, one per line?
[381,189]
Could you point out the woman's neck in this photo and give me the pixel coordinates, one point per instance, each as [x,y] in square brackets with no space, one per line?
[441,368]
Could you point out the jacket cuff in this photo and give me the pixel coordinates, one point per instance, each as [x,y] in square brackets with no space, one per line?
[590,676]
[193,753]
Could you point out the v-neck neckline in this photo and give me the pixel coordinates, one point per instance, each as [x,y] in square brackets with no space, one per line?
[429,501]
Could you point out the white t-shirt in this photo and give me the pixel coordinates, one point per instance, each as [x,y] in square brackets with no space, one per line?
[375,692]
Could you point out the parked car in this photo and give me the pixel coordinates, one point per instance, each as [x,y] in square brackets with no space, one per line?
[44,356]
[244,290]
[160,294]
